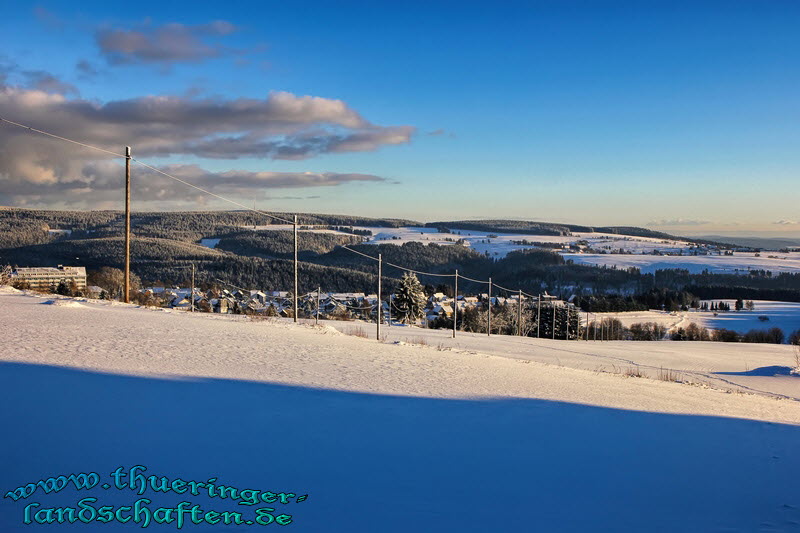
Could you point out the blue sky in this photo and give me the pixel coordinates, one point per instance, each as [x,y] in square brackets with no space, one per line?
[681,116]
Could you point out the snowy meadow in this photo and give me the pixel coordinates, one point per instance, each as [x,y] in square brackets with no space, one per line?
[381,436]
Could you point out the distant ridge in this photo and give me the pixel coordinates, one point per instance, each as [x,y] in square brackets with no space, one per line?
[549,228]
[766,243]
[210,222]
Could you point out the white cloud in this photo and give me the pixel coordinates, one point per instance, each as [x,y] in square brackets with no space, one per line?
[280,126]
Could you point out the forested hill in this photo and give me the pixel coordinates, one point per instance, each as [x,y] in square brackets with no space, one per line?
[30,226]
[165,244]
[20,227]
[547,228]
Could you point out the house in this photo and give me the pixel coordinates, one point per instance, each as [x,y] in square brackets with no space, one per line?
[258,296]
[439,311]
[93,291]
[44,277]
[180,302]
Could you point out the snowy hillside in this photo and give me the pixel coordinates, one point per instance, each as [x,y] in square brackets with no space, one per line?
[738,263]
[386,436]
[600,249]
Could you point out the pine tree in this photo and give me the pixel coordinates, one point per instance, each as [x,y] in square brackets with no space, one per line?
[409,299]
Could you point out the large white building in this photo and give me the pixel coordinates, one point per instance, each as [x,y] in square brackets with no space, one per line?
[44,277]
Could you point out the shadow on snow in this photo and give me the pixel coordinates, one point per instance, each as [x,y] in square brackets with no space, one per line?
[381,463]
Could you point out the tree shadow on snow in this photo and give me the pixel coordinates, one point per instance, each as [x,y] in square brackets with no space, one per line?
[767,371]
[381,463]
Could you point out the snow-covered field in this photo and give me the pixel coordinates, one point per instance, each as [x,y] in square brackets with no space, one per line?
[783,315]
[498,244]
[739,263]
[638,250]
[500,434]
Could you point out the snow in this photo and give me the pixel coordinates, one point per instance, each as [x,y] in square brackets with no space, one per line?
[739,263]
[783,315]
[209,243]
[389,437]
[724,366]
[638,250]
[63,303]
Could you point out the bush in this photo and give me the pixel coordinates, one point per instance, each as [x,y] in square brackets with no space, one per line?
[765,336]
[794,338]
[692,332]
[649,331]
[724,335]
[21,284]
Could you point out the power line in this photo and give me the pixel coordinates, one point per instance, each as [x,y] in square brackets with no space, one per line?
[154,169]
[53,135]
[473,280]
[419,271]
[515,291]
[60,138]
[359,253]
[233,202]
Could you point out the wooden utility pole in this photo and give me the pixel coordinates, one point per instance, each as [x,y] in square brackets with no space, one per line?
[587,326]
[295,269]
[127,295]
[554,321]
[191,298]
[566,324]
[489,309]
[538,314]
[455,305]
[519,314]
[378,303]
[316,318]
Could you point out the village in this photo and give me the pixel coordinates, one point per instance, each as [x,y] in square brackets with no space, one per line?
[322,305]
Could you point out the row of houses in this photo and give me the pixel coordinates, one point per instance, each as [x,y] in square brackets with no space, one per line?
[329,305]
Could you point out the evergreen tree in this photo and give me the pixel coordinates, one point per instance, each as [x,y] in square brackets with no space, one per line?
[409,299]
